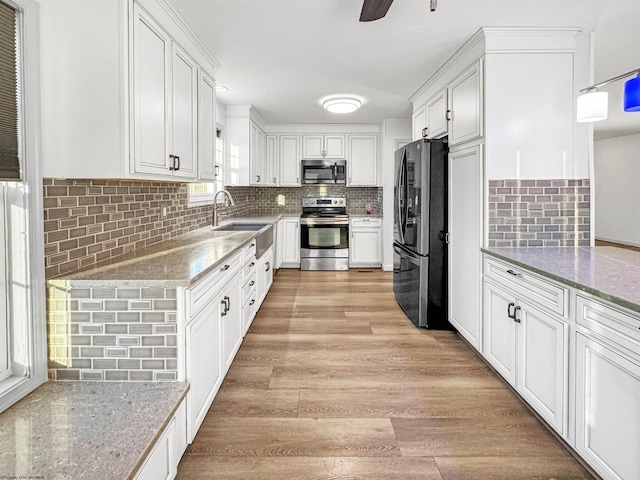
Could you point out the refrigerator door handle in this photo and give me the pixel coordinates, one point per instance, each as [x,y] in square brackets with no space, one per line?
[398,200]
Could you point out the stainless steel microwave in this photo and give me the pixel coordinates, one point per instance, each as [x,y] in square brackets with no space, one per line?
[324,171]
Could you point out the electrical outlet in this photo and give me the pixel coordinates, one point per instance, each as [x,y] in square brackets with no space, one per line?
[164,212]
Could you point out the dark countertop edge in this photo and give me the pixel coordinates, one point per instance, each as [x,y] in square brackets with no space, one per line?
[572,283]
[165,424]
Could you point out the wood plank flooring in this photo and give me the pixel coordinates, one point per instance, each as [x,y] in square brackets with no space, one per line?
[334,382]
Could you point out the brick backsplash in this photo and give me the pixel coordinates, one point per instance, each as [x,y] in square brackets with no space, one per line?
[539,213]
[280,200]
[112,333]
[87,222]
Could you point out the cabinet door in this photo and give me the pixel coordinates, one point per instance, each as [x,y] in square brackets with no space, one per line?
[499,339]
[264,276]
[465,104]
[312,146]
[160,464]
[256,165]
[419,121]
[290,242]
[465,232]
[436,115]
[607,409]
[334,146]
[204,372]
[290,157]
[230,321]
[543,345]
[150,95]
[365,249]
[363,160]
[207,131]
[184,123]
[271,157]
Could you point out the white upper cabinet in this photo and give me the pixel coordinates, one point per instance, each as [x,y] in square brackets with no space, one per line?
[207,128]
[289,160]
[271,160]
[323,146]
[436,115]
[121,86]
[246,147]
[362,164]
[419,122]
[150,94]
[430,120]
[465,105]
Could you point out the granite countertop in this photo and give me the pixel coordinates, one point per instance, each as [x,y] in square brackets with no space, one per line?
[178,262]
[610,273]
[85,430]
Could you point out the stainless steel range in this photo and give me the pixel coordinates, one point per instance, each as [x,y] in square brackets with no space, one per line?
[324,234]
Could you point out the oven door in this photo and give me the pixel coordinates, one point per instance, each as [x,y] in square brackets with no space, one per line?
[323,236]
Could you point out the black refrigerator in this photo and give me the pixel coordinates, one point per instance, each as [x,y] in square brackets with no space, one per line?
[420,232]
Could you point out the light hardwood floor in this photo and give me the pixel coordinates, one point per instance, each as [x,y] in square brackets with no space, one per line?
[334,382]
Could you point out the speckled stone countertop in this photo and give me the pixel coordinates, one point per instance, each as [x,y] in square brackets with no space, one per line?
[179,262]
[85,430]
[607,272]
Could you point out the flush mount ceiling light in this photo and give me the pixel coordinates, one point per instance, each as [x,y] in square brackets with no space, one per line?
[592,105]
[221,88]
[341,104]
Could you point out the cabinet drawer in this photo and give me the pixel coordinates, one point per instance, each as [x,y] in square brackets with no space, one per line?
[249,252]
[538,290]
[249,271]
[250,283]
[366,222]
[204,290]
[612,323]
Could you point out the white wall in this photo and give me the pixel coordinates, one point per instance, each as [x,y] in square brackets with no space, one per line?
[617,171]
[392,131]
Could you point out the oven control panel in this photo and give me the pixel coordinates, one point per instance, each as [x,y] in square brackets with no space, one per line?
[323,202]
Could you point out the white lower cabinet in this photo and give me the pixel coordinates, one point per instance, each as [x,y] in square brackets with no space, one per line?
[289,242]
[529,348]
[162,462]
[230,322]
[465,233]
[365,247]
[264,276]
[608,389]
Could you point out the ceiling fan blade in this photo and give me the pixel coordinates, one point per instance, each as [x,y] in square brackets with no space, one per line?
[374,9]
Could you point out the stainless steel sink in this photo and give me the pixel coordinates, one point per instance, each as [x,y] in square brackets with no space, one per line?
[243,227]
[264,239]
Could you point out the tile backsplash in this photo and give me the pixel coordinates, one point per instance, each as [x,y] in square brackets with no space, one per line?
[539,213]
[91,221]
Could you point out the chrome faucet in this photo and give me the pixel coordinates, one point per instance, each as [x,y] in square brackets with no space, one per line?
[229,198]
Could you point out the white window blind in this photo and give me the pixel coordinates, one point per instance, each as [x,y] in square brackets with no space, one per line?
[9,95]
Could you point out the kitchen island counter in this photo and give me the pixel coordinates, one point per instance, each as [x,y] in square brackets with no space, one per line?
[610,273]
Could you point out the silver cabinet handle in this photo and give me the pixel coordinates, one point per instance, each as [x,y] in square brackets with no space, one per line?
[515,274]
[509,307]
[172,163]
[252,264]
[217,170]
[178,167]
[225,268]
[252,302]
[268,267]
[258,177]
[224,305]
[252,283]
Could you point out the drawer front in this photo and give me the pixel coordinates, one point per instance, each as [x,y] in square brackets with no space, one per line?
[249,287]
[202,292]
[540,291]
[366,222]
[249,271]
[249,252]
[613,324]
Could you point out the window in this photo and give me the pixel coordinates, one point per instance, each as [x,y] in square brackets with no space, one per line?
[203,193]
[23,354]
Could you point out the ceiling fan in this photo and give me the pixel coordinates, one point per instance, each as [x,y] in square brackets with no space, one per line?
[376,9]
